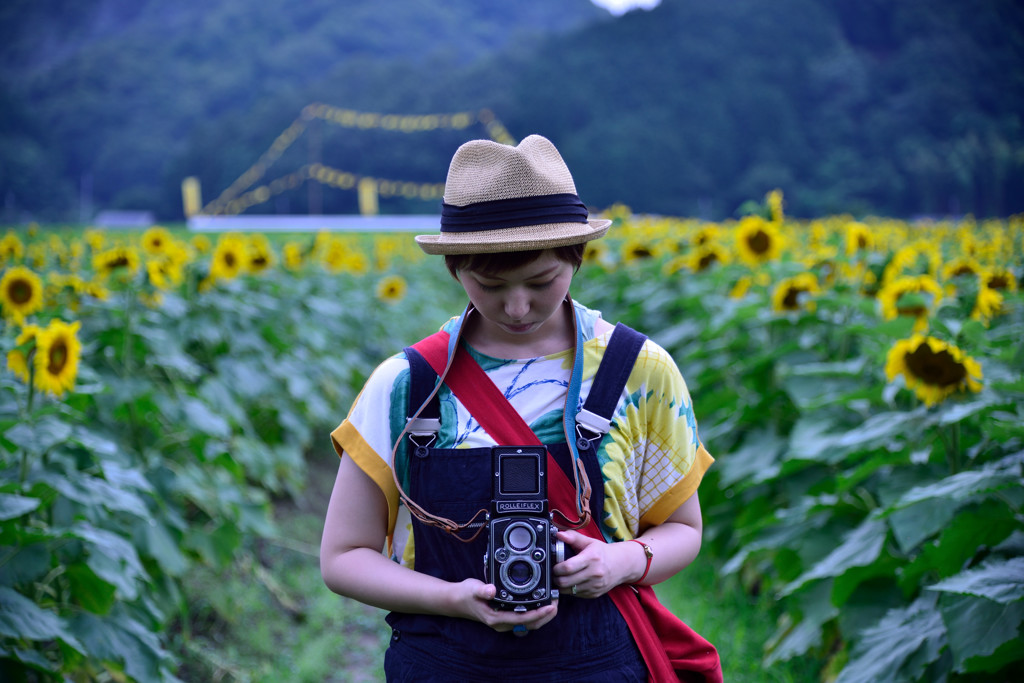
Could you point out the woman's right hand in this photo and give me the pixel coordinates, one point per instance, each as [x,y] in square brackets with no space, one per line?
[472,600]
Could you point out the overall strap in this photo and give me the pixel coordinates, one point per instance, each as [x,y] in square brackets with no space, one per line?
[595,419]
[424,409]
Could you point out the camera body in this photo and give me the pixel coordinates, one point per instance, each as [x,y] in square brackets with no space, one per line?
[521,543]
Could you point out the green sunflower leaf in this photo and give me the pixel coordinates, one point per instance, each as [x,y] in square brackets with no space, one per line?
[978,626]
[20,618]
[12,506]
[964,485]
[1001,581]
[817,608]
[119,638]
[861,547]
[899,647]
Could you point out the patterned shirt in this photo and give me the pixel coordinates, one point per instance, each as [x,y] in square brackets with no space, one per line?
[651,460]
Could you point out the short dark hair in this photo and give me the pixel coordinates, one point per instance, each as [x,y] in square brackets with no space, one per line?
[505,261]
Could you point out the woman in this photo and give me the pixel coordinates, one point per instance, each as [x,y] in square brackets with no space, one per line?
[513,232]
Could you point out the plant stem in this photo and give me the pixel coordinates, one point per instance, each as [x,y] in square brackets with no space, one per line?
[955,446]
[31,360]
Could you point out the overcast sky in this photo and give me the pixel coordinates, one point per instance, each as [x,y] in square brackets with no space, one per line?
[620,6]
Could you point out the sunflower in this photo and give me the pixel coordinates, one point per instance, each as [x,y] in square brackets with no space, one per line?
[11,248]
[988,303]
[706,256]
[858,238]
[37,255]
[229,258]
[56,359]
[795,293]
[156,239]
[391,289]
[933,369]
[906,260]
[386,250]
[774,201]
[636,250]
[333,252]
[708,233]
[597,252]
[164,272]
[293,255]
[261,254]
[910,296]
[961,267]
[94,238]
[21,293]
[1000,279]
[357,263]
[201,243]
[740,288]
[116,261]
[757,240]
[19,357]
[822,262]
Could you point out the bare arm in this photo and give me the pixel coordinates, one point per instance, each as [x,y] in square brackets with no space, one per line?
[598,567]
[352,564]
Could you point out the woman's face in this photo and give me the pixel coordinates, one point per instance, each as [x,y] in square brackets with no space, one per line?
[516,304]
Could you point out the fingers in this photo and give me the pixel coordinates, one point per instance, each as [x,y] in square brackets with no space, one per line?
[484,591]
[531,620]
[592,571]
[577,540]
[476,604]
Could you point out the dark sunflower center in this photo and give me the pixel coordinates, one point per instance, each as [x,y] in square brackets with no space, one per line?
[915,310]
[118,262]
[706,260]
[759,242]
[937,369]
[998,282]
[963,270]
[229,260]
[20,291]
[641,252]
[58,358]
[791,301]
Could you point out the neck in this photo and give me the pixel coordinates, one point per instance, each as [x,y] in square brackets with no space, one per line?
[557,334]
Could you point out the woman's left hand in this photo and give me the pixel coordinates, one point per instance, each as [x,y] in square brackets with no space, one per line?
[595,568]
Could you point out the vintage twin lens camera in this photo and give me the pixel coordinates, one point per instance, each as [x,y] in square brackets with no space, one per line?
[521,545]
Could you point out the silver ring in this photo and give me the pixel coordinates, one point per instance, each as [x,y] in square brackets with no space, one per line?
[574,589]
[519,630]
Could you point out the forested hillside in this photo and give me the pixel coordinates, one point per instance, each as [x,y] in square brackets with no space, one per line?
[861,106]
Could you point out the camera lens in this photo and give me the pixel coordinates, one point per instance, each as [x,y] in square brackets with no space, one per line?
[520,573]
[519,537]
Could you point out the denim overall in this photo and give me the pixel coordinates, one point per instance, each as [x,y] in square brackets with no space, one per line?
[588,640]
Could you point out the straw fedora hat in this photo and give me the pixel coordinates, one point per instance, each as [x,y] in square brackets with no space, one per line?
[504,198]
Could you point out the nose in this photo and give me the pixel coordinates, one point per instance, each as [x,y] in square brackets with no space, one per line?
[517,304]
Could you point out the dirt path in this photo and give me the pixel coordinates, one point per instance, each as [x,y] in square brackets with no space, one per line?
[361,627]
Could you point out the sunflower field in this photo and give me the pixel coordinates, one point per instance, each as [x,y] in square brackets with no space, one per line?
[860,383]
